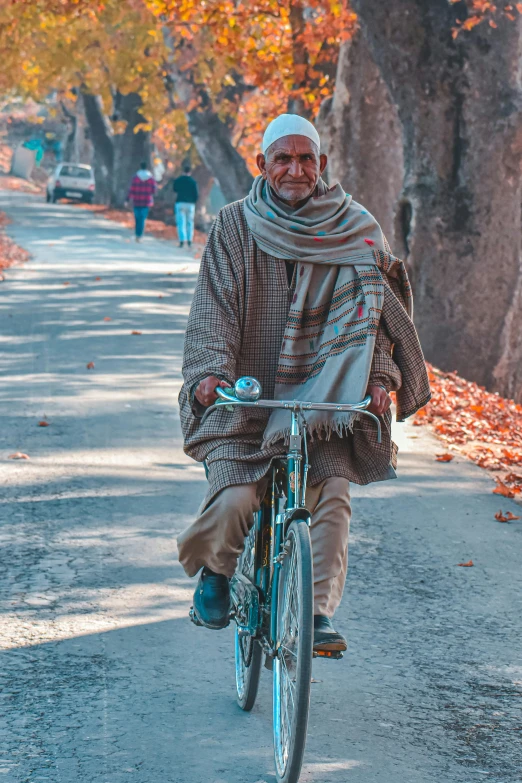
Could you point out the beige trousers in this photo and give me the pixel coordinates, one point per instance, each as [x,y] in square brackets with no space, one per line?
[217,537]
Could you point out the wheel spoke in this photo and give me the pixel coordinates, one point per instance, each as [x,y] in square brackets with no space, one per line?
[288,651]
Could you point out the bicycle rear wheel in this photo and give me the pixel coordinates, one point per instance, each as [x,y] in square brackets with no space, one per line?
[248,652]
[293,664]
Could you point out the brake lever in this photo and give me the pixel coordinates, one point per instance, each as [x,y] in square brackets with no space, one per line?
[222,393]
[223,399]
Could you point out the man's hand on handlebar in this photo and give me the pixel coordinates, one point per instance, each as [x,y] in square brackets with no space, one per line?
[381,400]
[206,394]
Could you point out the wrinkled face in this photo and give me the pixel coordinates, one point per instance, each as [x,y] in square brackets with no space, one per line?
[292,167]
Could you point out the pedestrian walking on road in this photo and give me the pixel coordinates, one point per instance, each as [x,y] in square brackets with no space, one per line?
[141,193]
[298,288]
[186,190]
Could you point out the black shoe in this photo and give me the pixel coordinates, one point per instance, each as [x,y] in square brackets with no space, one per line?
[181,244]
[326,638]
[189,243]
[212,600]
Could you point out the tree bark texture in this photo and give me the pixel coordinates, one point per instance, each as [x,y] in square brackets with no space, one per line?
[117,156]
[296,102]
[130,147]
[361,134]
[100,134]
[71,147]
[212,141]
[211,136]
[459,214]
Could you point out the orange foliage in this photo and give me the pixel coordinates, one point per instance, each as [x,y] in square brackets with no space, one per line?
[244,60]
[252,60]
[487,426]
[485,11]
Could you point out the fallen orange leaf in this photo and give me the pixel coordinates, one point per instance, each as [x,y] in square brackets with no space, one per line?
[90,366]
[97,278]
[513,477]
[67,282]
[444,457]
[19,455]
[43,423]
[160,296]
[507,517]
[502,489]
[135,332]
[466,565]
[107,318]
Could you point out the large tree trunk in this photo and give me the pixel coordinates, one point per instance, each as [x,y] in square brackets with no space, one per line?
[116,156]
[361,133]
[211,136]
[212,141]
[296,101]
[100,134]
[459,104]
[203,219]
[131,147]
[71,147]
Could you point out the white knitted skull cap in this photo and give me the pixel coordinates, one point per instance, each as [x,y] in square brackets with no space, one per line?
[289,125]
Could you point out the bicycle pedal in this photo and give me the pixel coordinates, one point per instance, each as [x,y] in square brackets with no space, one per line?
[335,654]
[194,617]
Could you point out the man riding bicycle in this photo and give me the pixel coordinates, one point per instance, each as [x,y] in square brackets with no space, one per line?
[297,288]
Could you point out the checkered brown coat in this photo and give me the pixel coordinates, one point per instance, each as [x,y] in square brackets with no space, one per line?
[235,328]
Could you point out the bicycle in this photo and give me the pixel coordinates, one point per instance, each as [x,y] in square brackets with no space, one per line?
[272,589]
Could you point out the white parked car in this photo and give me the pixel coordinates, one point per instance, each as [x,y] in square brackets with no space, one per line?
[71,180]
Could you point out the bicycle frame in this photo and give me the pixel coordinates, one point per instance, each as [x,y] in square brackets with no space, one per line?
[252,600]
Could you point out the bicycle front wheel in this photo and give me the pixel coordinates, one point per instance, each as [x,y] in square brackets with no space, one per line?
[248,652]
[293,663]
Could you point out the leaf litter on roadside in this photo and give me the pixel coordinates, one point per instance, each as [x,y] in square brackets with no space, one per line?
[11,254]
[469,564]
[444,457]
[484,425]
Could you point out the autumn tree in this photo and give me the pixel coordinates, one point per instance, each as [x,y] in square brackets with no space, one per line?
[101,51]
[226,66]
[232,66]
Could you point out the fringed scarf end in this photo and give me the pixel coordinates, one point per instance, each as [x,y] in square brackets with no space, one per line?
[341,424]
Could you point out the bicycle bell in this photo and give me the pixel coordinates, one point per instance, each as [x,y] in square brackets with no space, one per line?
[247,389]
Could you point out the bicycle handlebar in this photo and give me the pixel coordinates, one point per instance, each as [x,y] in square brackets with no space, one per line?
[228,398]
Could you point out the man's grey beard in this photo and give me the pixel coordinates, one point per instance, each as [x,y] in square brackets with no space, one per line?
[289,194]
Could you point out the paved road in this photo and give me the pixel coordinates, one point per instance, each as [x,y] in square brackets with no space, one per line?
[103,678]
